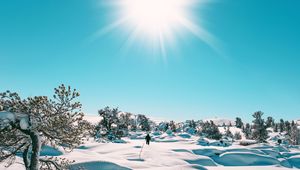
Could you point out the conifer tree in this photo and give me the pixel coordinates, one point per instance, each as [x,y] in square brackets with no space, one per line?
[281,125]
[27,124]
[270,122]
[247,131]
[260,132]
[238,122]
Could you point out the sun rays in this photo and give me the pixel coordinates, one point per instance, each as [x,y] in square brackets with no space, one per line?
[156,24]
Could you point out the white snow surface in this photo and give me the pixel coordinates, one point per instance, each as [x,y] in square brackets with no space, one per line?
[175,151]
[169,151]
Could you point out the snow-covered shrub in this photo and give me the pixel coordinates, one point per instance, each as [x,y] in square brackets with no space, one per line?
[172,126]
[191,131]
[210,130]
[119,141]
[237,136]
[26,124]
[156,133]
[169,132]
[203,142]
[163,126]
[247,142]
[184,135]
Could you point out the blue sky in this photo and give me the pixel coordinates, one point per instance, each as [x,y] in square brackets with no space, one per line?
[46,43]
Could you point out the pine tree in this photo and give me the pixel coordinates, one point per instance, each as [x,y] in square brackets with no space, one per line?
[247,131]
[281,126]
[260,132]
[144,122]
[238,122]
[293,123]
[172,126]
[288,128]
[26,124]
[192,124]
[228,133]
[276,127]
[295,135]
[270,122]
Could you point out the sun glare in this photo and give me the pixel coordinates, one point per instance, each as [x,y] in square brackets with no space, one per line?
[157,21]
[154,17]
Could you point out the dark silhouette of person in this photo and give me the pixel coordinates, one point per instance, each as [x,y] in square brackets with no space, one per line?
[148,138]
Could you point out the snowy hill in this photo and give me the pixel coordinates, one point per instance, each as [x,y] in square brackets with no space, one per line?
[93,119]
[221,121]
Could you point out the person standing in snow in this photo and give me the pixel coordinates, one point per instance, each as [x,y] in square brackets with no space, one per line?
[148,138]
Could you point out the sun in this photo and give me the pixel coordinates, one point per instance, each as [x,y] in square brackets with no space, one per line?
[154,17]
[157,21]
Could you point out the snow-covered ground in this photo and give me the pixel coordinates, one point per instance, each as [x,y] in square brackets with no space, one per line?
[181,151]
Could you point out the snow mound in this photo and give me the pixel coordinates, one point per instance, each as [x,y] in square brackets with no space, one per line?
[206,142]
[203,141]
[204,161]
[210,152]
[97,165]
[50,151]
[119,141]
[247,142]
[295,161]
[290,154]
[245,159]
[184,135]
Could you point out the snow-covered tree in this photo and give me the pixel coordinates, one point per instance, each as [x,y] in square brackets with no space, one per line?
[237,136]
[143,122]
[228,133]
[125,123]
[27,124]
[275,127]
[281,125]
[133,123]
[109,122]
[238,122]
[192,124]
[260,132]
[288,127]
[210,130]
[270,121]
[295,135]
[163,126]
[172,126]
[247,131]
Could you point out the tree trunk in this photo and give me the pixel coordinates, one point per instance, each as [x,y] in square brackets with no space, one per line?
[25,158]
[36,147]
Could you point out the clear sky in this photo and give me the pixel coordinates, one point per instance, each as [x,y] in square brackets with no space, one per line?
[255,66]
